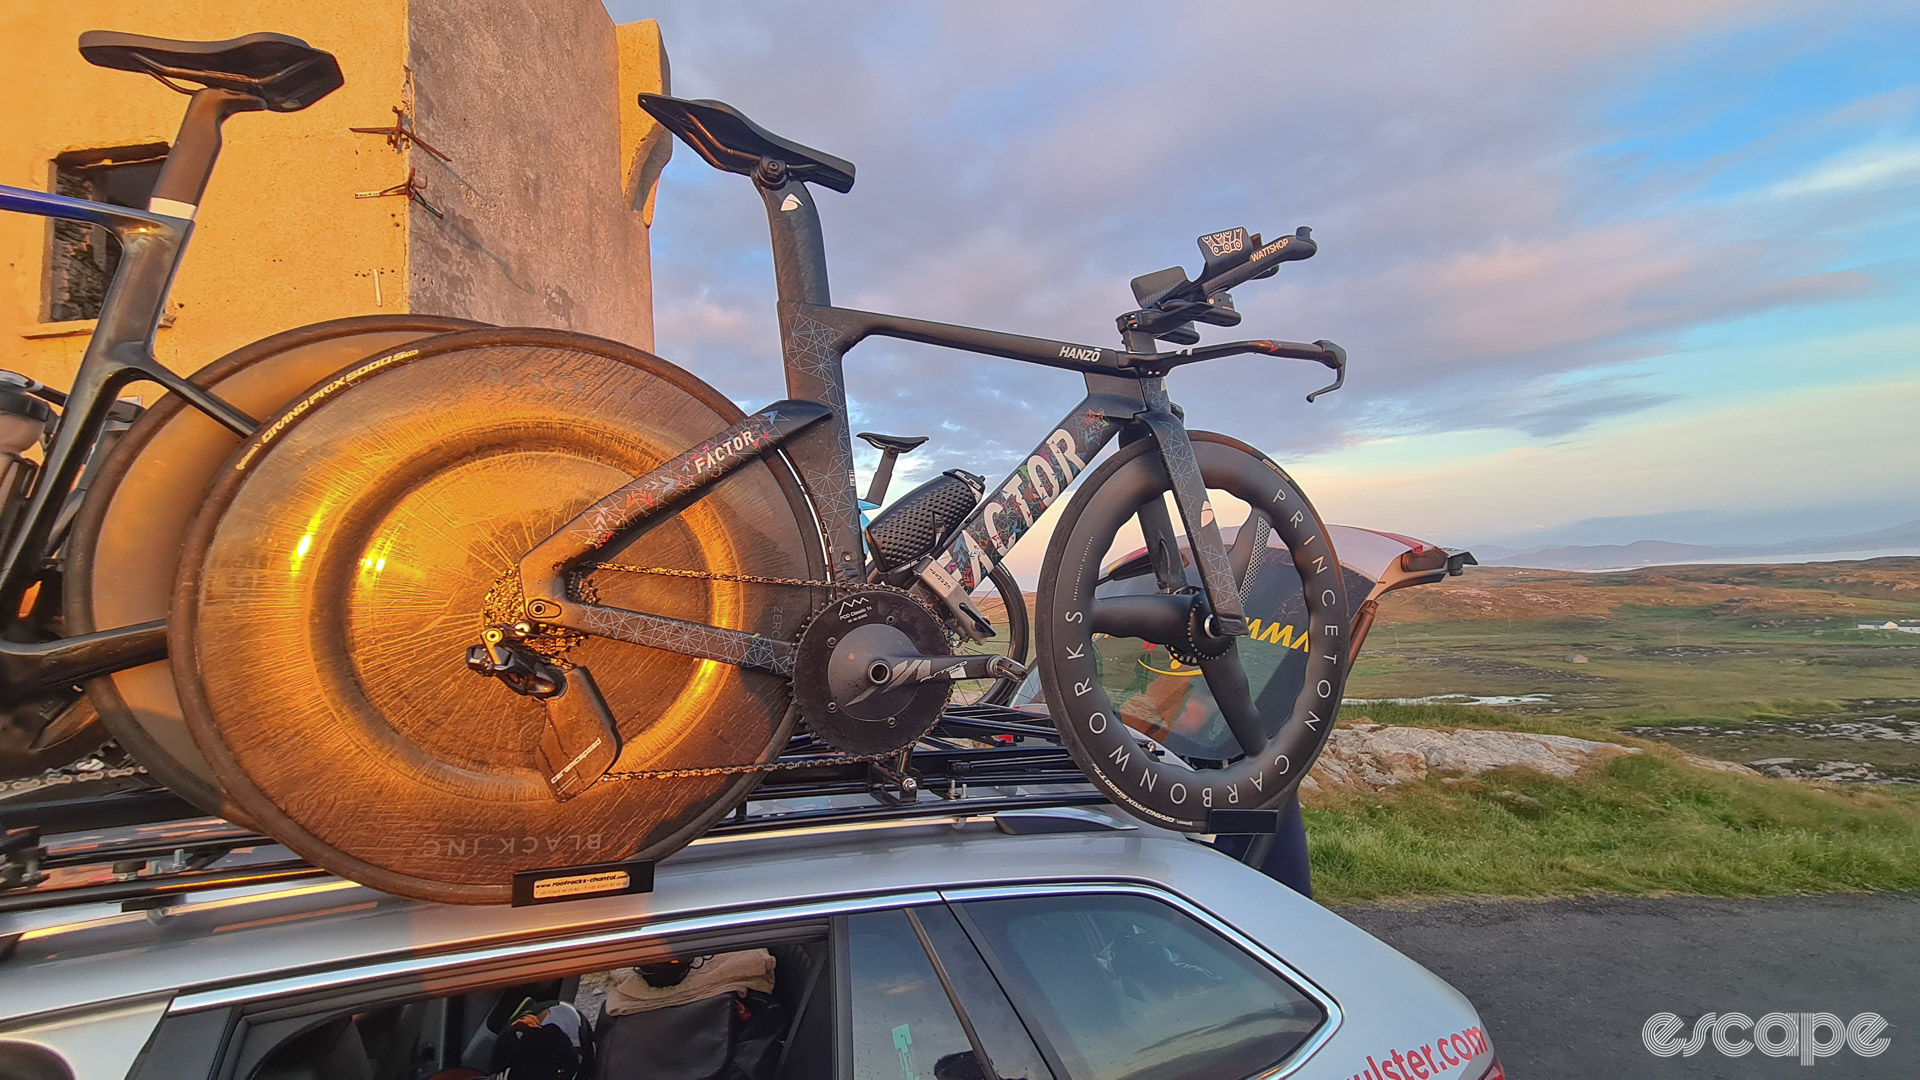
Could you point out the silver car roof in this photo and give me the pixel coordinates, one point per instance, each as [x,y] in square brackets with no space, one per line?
[75,956]
[228,945]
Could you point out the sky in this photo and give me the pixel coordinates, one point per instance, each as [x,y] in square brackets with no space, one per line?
[1635,270]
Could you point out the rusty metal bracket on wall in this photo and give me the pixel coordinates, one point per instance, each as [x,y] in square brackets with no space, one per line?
[409,188]
[401,132]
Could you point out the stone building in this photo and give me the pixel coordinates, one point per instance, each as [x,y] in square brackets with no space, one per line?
[518,191]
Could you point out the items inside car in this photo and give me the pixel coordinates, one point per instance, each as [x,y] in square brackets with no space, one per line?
[738,1014]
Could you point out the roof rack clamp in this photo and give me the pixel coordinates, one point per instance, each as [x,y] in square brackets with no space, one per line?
[894,787]
[20,855]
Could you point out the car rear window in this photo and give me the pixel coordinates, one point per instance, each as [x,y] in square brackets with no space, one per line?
[1128,988]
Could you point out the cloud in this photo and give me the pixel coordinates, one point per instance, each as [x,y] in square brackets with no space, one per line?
[1863,167]
[1554,410]
[1794,450]
[1487,249]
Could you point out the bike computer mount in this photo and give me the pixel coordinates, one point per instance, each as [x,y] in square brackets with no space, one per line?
[1170,302]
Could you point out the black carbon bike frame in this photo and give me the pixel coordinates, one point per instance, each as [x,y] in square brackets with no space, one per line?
[119,353]
[1125,395]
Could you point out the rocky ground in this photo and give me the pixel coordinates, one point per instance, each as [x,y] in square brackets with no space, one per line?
[1365,756]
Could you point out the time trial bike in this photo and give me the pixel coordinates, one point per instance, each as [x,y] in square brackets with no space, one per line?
[506,599]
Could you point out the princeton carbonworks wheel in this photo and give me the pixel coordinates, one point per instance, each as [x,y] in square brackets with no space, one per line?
[125,548]
[1087,657]
[360,542]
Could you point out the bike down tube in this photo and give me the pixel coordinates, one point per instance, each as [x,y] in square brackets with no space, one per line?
[1011,509]
[120,352]
[816,350]
[644,502]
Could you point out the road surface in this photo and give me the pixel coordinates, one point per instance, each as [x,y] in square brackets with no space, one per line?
[1564,986]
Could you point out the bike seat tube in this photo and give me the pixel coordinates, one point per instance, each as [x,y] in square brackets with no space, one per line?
[813,354]
[121,348]
[799,252]
[183,179]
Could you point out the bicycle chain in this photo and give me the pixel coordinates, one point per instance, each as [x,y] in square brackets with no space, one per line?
[22,787]
[39,783]
[750,579]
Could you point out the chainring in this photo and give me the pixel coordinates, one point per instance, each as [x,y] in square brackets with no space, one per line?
[837,701]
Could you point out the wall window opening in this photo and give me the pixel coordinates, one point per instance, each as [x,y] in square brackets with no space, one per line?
[83,258]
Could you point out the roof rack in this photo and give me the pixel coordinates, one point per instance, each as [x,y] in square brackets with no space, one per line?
[978,761]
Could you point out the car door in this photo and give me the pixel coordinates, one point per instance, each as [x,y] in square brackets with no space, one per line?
[1115,982]
[921,1004]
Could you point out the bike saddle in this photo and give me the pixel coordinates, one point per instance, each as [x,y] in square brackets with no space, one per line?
[285,72]
[732,143]
[899,444]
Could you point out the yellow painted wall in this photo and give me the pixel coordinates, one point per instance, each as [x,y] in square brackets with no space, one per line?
[281,240]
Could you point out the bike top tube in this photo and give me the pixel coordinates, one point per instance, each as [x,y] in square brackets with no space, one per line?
[107,215]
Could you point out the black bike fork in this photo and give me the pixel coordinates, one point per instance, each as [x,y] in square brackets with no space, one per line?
[1196,513]
[1225,675]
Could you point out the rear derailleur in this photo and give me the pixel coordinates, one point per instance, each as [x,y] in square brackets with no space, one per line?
[580,742]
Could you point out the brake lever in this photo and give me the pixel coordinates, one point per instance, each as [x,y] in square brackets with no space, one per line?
[1338,362]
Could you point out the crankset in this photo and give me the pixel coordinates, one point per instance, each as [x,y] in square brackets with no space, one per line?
[872,672]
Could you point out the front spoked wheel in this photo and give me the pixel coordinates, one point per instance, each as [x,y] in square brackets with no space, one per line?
[1171,723]
[1005,606]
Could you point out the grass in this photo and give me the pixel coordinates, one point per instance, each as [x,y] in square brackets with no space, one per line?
[1669,647]
[1636,825]
[1734,650]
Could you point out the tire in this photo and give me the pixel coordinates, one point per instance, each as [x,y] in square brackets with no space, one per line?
[1012,638]
[124,552]
[1155,785]
[358,544]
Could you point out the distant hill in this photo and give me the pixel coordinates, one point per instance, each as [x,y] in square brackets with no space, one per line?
[1885,588]
[1898,539]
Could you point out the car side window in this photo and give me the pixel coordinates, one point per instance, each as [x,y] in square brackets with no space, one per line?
[903,1023]
[1124,987]
[1009,1046]
[734,1004]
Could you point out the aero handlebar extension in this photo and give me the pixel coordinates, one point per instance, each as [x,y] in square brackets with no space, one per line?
[1322,352]
[1291,248]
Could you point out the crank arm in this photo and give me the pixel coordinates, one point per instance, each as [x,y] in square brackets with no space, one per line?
[892,672]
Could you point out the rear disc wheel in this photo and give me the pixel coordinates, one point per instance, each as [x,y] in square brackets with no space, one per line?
[362,540]
[124,553]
